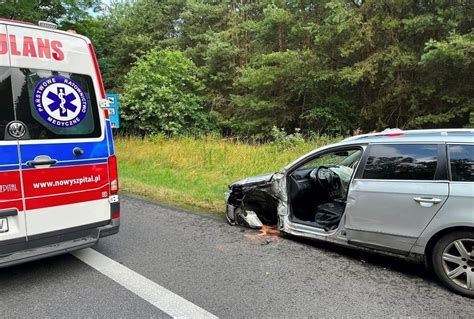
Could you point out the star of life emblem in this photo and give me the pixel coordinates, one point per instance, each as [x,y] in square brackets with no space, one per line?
[60,101]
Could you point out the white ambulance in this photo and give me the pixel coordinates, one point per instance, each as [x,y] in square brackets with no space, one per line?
[58,171]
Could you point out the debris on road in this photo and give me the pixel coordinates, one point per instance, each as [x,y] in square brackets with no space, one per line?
[265,235]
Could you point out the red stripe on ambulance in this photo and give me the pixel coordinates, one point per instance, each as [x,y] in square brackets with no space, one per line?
[48,187]
[66,199]
[10,190]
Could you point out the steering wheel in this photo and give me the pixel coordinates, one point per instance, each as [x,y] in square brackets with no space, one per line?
[326,178]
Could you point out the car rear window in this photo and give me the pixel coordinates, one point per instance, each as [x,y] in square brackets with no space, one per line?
[6,105]
[461,159]
[55,105]
[401,162]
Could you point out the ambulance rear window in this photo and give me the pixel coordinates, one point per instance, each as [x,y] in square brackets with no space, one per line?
[55,105]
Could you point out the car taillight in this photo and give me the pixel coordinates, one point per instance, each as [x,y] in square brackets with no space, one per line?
[113,175]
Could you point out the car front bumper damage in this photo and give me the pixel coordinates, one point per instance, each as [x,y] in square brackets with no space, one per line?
[256,201]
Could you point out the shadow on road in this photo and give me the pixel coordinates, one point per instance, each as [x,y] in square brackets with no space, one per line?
[389,262]
[37,268]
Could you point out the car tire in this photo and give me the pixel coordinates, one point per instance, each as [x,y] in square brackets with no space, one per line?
[452,260]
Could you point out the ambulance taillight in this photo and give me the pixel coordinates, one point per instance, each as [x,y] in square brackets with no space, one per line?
[113,175]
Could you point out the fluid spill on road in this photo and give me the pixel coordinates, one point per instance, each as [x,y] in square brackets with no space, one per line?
[264,236]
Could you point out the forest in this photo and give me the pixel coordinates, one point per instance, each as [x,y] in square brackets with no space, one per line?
[247,68]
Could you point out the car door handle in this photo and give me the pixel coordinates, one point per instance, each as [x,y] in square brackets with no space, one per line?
[430,200]
[41,162]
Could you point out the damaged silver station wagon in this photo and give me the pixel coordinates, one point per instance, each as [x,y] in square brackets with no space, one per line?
[403,193]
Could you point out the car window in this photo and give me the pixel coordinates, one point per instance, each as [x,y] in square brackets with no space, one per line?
[55,104]
[337,158]
[461,159]
[6,106]
[352,159]
[401,161]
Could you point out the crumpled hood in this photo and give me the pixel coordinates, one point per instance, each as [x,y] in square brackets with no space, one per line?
[253,180]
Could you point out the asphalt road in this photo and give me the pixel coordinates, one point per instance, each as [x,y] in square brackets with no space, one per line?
[228,271]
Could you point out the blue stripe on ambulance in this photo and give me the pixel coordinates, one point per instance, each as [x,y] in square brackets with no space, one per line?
[110,138]
[9,155]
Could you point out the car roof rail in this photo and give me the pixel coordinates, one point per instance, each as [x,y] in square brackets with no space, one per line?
[396,132]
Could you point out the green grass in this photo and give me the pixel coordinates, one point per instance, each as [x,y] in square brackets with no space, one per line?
[194,173]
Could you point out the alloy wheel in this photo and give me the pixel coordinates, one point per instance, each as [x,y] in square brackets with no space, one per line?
[458,262]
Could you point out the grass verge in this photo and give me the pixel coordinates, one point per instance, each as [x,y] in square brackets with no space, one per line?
[194,173]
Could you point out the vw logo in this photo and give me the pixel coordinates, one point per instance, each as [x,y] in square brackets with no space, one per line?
[16,129]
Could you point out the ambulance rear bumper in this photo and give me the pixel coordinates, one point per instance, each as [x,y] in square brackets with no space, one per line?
[56,244]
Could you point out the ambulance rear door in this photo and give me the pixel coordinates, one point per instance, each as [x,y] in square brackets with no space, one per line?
[12,215]
[64,153]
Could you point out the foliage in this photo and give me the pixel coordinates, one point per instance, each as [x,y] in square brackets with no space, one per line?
[55,11]
[133,29]
[283,140]
[446,65]
[161,95]
[329,66]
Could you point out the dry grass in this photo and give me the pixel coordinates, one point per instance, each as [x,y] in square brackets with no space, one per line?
[194,172]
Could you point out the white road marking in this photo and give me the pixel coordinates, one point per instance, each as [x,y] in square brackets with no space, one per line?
[163,299]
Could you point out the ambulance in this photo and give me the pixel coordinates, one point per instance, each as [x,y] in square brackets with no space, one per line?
[58,170]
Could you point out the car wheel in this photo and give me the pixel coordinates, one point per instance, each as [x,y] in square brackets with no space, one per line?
[453,261]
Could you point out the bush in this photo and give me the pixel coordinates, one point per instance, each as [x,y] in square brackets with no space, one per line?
[162,96]
[283,140]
